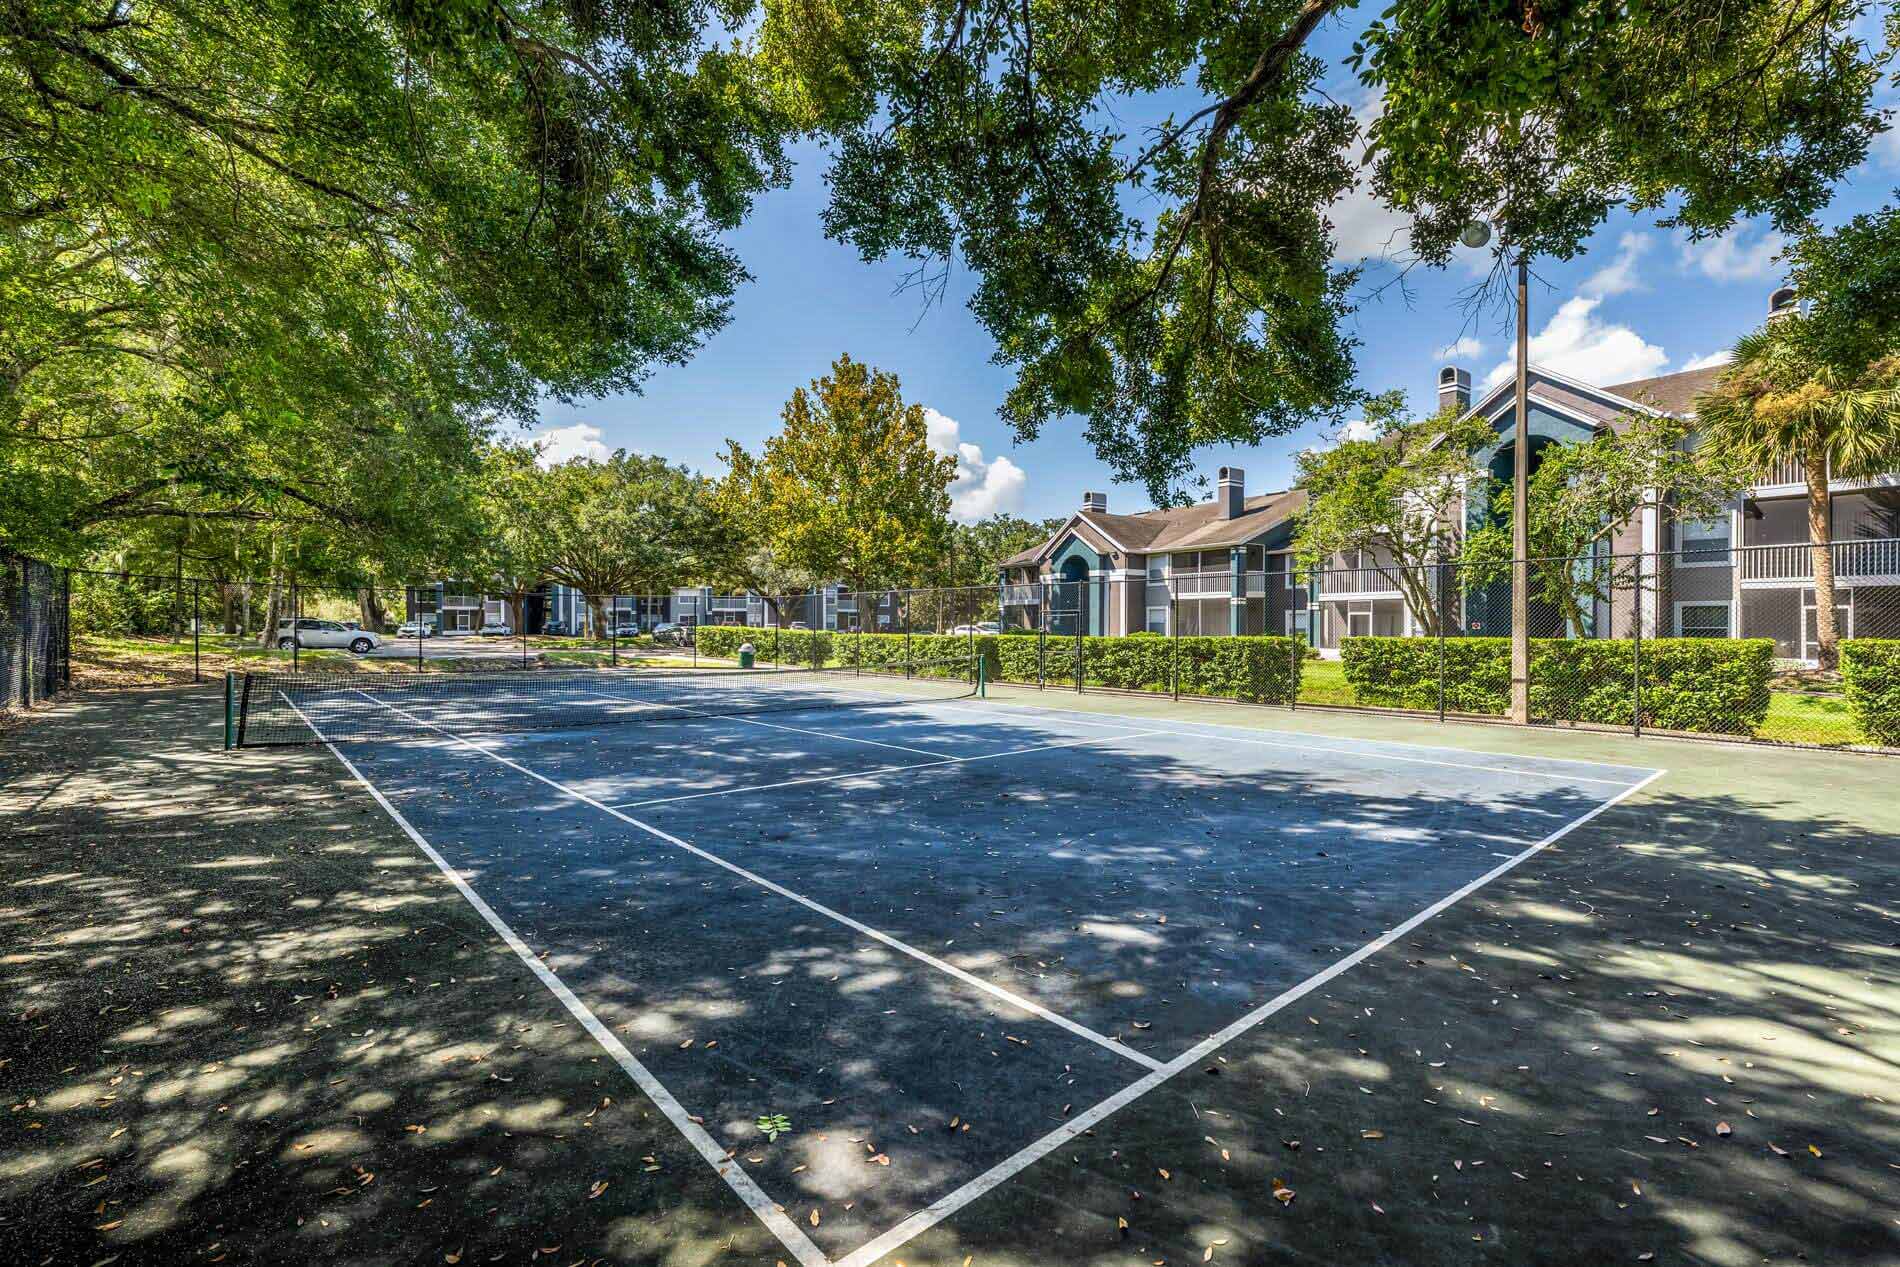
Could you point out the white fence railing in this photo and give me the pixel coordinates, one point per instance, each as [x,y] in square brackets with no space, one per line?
[1853,560]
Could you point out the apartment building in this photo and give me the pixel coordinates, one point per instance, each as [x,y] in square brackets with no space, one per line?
[454,607]
[1224,567]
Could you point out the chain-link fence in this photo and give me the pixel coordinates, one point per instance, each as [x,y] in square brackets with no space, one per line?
[1732,642]
[35,662]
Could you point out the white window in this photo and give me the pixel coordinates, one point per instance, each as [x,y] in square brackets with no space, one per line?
[1705,542]
[1158,620]
[1157,567]
[1702,620]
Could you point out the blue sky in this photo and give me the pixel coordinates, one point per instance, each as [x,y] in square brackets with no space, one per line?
[1640,301]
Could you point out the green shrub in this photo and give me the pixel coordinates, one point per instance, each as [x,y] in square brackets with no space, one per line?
[1870,670]
[1704,685]
[1256,670]
[825,648]
[1253,669]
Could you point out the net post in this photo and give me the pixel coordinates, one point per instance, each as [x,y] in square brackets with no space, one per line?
[1082,597]
[613,630]
[907,659]
[1636,653]
[243,709]
[196,675]
[230,710]
[1174,643]
[1443,608]
[1042,633]
[296,612]
[982,680]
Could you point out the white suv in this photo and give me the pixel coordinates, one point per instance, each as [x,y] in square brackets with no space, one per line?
[325,633]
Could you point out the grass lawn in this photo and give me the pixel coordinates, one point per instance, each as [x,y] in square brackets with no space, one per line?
[1809,717]
[1793,716]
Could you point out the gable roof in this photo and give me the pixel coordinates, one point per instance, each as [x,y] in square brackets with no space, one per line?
[1671,393]
[1197,527]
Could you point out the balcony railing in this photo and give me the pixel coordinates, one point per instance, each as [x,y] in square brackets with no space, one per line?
[1338,581]
[1021,595]
[1853,560]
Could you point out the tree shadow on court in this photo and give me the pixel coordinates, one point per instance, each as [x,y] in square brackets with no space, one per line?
[248,1022]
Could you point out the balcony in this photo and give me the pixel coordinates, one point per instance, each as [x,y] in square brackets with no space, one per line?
[1021,595]
[727,603]
[1358,582]
[1875,560]
[1791,477]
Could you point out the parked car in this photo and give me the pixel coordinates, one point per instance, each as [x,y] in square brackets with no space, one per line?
[310,632]
[798,624]
[416,629]
[496,631]
[980,627]
[627,629]
[555,629]
[668,634]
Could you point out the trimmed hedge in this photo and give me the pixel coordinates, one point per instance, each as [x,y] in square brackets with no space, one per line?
[1254,670]
[1705,685]
[1870,671]
[825,648]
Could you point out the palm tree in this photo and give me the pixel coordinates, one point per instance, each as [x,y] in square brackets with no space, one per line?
[1779,401]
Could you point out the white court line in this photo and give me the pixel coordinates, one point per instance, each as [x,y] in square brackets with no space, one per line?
[923,956]
[881,769]
[776,1221]
[949,1204]
[1067,714]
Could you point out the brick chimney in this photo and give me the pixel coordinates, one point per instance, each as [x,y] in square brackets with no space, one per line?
[1097,502]
[1454,388]
[1230,494]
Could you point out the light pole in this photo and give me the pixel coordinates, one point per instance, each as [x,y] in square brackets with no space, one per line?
[1520,511]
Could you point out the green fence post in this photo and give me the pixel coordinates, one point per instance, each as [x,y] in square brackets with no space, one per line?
[230,710]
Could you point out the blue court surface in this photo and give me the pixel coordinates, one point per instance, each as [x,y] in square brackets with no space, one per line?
[940,938]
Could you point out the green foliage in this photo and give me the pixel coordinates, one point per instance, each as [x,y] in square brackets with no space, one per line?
[1399,494]
[1703,685]
[1870,671]
[630,525]
[280,267]
[975,552]
[1582,494]
[1542,118]
[1178,287]
[823,648]
[1254,670]
[1848,280]
[849,489]
[773,1125]
[1785,398]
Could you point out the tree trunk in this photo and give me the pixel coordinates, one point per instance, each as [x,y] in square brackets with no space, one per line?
[370,607]
[599,614]
[267,634]
[1826,633]
[226,594]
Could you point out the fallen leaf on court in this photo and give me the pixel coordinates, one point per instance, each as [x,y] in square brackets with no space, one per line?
[814,1216]
[1724,1129]
[1777,1150]
[413,1129]
[455,1256]
[600,1186]
[1371,1134]
[1282,1193]
[1814,1150]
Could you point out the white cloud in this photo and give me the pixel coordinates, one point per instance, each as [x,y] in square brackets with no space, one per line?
[581,440]
[981,488]
[1364,228]
[1735,258]
[1619,275]
[1582,345]
[1464,349]
[1704,362]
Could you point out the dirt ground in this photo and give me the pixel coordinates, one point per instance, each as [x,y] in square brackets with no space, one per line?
[246,1022]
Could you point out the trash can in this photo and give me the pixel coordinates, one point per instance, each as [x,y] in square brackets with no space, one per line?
[746,653]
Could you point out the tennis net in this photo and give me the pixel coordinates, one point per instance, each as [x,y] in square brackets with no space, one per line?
[276,709]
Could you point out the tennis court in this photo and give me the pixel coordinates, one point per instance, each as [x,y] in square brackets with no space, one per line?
[936,936]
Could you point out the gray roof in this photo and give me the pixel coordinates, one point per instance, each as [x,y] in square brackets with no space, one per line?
[1197,527]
